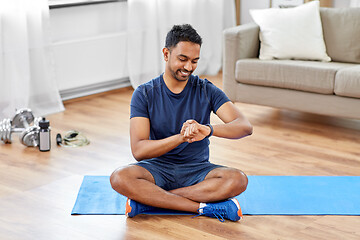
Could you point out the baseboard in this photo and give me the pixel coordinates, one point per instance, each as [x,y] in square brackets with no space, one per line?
[94,88]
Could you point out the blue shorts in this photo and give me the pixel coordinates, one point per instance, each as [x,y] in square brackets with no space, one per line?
[170,176]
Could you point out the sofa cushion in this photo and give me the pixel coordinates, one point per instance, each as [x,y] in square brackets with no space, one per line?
[311,76]
[341,27]
[347,82]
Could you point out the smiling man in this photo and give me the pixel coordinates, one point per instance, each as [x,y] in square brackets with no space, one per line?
[169,132]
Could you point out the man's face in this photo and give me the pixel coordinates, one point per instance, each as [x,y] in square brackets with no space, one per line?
[182,60]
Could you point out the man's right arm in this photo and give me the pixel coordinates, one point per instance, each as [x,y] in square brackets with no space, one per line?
[143,148]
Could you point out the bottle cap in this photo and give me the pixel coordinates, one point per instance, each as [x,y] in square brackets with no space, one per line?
[43,123]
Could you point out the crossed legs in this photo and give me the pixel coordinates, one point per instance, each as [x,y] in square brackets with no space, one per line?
[138,184]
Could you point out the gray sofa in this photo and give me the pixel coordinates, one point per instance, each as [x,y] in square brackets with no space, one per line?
[327,88]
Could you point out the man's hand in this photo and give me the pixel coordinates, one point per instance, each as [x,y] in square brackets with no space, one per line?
[192,131]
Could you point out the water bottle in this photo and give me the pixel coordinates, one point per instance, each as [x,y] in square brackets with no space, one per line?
[44,135]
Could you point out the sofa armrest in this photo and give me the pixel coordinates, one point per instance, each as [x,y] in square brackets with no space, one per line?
[238,42]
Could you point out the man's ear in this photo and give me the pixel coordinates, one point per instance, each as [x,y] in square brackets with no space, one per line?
[166,53]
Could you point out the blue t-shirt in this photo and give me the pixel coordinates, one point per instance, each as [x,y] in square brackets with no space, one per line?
[168,111]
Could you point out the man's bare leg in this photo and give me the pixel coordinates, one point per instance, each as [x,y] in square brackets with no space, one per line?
[138,184]
[219,184]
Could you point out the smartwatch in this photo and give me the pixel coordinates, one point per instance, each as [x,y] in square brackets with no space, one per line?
[212,130]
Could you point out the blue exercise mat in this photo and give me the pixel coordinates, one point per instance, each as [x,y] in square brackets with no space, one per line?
[265,195]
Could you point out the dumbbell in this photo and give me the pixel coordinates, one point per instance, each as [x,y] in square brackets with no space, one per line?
[21,123]
[5,130]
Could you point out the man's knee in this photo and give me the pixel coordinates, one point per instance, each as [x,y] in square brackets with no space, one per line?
[125,180]
[238,181]
[118,179]
[242,181]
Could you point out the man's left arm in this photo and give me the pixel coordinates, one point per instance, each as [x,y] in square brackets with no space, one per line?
[235,126]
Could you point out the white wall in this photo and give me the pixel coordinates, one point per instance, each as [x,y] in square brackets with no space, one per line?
[89,45]
[341,3]
[246,5]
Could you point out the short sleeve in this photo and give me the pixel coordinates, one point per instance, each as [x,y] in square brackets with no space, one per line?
[216,96]
[139,103]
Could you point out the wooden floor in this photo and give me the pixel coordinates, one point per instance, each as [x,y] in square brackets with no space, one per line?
[38,189]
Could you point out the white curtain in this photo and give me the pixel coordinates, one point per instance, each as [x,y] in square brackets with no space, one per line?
[27,71]
[150,20]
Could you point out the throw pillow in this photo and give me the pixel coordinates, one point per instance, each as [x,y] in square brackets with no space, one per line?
[291,33]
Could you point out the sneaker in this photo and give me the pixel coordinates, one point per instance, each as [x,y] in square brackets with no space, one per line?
[134,208]
[229,209]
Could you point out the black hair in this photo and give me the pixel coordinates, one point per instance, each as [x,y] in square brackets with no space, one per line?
[180,33]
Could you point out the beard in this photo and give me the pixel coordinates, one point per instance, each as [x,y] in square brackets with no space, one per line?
[178,75]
